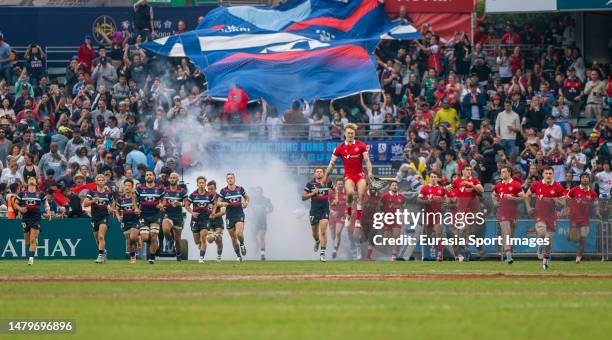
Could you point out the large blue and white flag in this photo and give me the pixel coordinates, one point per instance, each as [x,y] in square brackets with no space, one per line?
[302,49]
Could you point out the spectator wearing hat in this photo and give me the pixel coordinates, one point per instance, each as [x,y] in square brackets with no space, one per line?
[61,138]
[86,54]
[21,99]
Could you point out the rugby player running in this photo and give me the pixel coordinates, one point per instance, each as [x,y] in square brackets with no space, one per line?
[151,200]
[198,204]
[432,196]
[215,226]
[353,152]
[580,200]
[317,191]
[101,202]
[235,199]
[172,223]
[28,204]
[127,212]
[548,195]
[506,195]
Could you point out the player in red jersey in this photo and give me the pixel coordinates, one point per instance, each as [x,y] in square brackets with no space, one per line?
[432,196]
[353,153]
[390,202]
[468,188]
[580,201]
[336,215]
[451,207]
[506,195]
[548,194]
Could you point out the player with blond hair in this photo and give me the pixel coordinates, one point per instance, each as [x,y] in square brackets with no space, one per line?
[353,153]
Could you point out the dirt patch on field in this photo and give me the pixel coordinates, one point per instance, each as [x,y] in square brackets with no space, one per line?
[296,277]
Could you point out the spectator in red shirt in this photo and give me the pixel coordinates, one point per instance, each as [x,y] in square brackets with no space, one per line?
[86,54]
[236,103]
[510,37]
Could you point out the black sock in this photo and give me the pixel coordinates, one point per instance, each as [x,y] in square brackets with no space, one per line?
[202,253]
[241,242]
[100,252]
[322,250]
[132,254]
[317,240]
[237,250]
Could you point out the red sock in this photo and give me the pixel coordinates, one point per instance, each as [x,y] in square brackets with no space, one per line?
[349,211]
[440,248]
[358,215]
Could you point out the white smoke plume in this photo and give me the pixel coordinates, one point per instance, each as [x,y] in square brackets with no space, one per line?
[288,236]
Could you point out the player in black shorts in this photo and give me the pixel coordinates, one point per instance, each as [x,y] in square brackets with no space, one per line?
[100,200]
[126,211]
[318,192]
[200,204]
[215,225]
[235,199]
[172,223]
[261,206]
[151,199]
[28,204]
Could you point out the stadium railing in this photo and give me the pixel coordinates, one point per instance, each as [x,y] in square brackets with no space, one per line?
[283,131]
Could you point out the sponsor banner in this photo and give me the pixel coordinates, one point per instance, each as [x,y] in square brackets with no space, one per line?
[445,25]
[445,16]
[584,4]
[560,243]
[174,3]
[429,6]
[61,239]
[66,3]
[24,25]
[305,152]
[525,240]
[509,6]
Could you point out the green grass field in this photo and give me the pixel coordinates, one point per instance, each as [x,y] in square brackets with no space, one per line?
[297,300]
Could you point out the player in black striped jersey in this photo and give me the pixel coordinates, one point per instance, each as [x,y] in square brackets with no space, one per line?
[200,204]
[235,199]
[127,212]
[215,226]
[28,204]
[172,223]
[100,200]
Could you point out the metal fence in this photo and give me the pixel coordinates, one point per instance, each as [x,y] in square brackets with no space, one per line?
[317,132]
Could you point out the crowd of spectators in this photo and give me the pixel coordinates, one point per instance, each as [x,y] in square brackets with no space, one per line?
[453,102]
